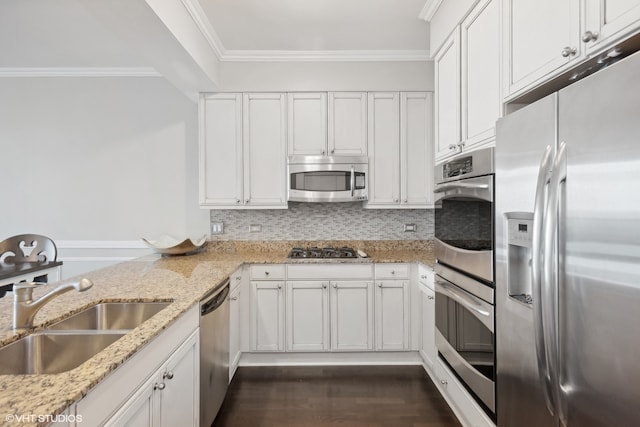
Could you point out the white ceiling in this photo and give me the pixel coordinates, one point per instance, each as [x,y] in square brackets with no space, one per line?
[318,25]
[70,34]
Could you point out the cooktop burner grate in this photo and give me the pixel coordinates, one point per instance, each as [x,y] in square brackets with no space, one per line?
[328,252]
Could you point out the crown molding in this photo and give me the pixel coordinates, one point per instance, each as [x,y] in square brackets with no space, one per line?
[430,8]
[324,55]
[79,72]
[204,25]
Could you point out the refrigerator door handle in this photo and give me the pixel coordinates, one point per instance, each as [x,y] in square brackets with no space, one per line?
[536,275]
[550,291]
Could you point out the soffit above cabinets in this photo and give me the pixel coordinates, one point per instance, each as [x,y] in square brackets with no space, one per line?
[310,30]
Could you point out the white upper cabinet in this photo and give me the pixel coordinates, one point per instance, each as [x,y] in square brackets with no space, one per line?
[542,38]
[447,97]
[400,150]
[220,150]
[480,90]
[416,149]
[307,124]
[347,124]
[243,151]
[607,21]
[264,146]
[384,148]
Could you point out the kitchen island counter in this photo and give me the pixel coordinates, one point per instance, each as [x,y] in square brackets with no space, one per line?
[184,280]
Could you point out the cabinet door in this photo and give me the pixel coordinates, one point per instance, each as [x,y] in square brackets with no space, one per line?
[481,97]
[351,316]
[267,316]
[234,331]
[447,97]
[541,38]
[609,21]
[392,315]
[179,399]
[264,143]
[428,348]
[384,149]
[307,123]
[307,316]
[416,149]
[347,123]
[220,150]
[138,411]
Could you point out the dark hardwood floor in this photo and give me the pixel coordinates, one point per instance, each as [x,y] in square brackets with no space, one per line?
[353,396]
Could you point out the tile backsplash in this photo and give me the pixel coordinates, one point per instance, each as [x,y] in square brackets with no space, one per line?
[324,221]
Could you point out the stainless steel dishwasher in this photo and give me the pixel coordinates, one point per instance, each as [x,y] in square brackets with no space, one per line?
[214,352]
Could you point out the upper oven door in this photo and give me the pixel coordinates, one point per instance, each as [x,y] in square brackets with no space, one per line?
[464,226]
[327,182]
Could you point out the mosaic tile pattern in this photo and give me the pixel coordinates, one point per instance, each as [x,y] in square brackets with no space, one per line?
[325,221]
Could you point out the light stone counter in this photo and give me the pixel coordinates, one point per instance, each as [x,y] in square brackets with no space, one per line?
[182,279]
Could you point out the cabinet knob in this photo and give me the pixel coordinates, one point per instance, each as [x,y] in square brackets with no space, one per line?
[569,51]
[324,286]
[234,298]
[406,200]
[443,382]
[159,386]
[452,146]
[461,145]
[396,200]
[429,296]
[393,272]
[324,152]
[247,201]
[423,276]
[279,286]
[238,277]
[237,201]
[335,285]
[333,151]
[380,284]
[590,36]
[168,375]
[266,273]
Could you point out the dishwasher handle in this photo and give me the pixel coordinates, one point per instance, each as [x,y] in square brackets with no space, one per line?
[214,302]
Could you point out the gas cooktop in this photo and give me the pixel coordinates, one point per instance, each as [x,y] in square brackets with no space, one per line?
[322,253]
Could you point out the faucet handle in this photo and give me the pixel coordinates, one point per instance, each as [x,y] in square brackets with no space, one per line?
[23,291]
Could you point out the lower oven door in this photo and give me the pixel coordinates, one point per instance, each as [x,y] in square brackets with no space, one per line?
[465,339]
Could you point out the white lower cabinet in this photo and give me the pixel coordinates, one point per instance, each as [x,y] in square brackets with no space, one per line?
[170,397]
[158,386]
[351,315]
[235,329]
[392,315]
[267,316]
[428,349]
[307,315]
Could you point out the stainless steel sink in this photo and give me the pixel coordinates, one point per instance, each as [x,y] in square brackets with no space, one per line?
[111,316]
[52,353]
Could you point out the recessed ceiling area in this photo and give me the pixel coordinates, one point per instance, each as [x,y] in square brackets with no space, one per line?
[318,25]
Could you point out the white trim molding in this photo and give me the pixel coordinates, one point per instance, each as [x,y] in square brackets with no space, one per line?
[79,72]
[430,8]
[204,25]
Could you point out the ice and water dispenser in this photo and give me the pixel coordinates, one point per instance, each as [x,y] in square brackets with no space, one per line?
[519,238]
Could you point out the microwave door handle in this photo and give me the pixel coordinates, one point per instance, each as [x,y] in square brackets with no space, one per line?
[353,181]
[536,276]
[551,279]
[443,188]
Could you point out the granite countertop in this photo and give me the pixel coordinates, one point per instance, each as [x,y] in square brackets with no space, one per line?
[181,279]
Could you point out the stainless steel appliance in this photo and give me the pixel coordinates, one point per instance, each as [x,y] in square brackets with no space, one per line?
[464,214]
[214,352]
[327,179]
[568,255]
[464,294]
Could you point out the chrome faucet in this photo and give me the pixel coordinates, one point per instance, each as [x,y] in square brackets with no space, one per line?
[25,308]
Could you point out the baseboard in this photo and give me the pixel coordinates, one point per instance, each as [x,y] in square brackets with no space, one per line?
[331,359]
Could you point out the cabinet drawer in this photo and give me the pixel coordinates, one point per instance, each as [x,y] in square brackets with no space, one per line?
[425,276]
[392,271]
[267,272]
[330,271]
[235,279]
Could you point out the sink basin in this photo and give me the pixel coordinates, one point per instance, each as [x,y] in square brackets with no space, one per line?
[52,353]
[110,316]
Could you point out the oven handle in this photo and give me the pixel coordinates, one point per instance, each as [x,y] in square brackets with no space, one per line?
[470,302]
[353,181]
[444,188]
[537,259]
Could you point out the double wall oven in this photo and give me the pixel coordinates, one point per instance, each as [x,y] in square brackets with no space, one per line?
[464,243]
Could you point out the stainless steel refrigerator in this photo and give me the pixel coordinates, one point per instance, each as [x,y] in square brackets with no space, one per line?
[568,255]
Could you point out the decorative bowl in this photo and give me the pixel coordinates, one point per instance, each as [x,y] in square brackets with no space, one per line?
[168,245]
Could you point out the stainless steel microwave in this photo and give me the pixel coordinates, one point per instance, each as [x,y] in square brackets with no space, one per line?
[327,179]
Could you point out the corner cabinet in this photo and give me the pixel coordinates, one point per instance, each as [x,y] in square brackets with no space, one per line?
[468,97]
[243,151]
[400,150]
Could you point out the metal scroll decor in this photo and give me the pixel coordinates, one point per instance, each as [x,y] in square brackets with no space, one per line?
[27,248]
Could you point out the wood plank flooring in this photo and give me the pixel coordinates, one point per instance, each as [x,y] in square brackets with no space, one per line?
[353,396]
